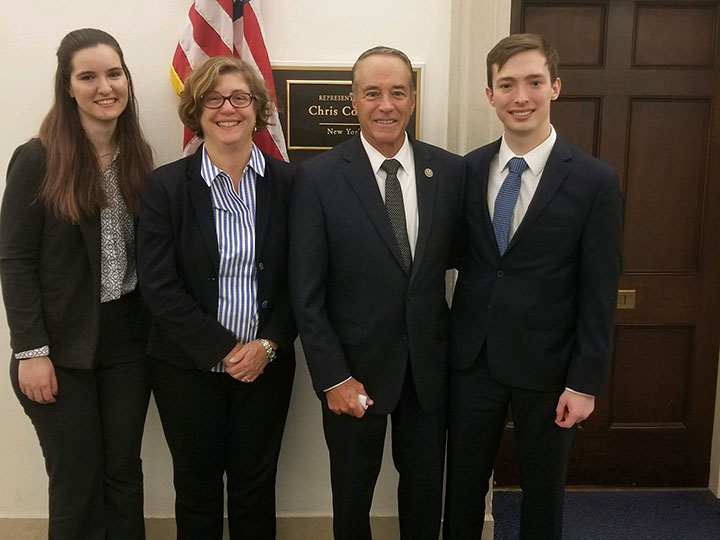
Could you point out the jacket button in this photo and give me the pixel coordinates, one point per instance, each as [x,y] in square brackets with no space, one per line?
[261,266]
[500,273]
[404,337]
[409,297]
[264,304]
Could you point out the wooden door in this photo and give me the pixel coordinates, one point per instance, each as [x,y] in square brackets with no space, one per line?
[641,91]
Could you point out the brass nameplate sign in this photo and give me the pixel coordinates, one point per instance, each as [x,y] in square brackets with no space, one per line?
[315,108]
[319,114]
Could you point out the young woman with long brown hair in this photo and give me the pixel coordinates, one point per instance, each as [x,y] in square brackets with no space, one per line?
[67,264]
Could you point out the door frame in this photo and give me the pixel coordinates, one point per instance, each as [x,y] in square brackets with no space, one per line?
[475,29]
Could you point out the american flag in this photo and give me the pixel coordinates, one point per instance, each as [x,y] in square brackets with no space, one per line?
[227,28]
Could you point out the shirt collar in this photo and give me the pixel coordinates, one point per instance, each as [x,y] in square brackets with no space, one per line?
[404,155]
[209,171]
[535,158]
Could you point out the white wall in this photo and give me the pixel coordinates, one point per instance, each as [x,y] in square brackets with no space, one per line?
[714,482]
[326,31]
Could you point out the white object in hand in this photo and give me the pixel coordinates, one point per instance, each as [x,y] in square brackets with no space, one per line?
[362,398]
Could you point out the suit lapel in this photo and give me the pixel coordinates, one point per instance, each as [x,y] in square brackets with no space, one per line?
[201,199]
[361,178]
[426,187]
[90,230]
[556,169]
[262,207]
[480,172]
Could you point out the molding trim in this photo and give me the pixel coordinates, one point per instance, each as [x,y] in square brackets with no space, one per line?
[475,27]
[714,480]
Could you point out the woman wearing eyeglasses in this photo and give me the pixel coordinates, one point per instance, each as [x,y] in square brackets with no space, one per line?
[212,262]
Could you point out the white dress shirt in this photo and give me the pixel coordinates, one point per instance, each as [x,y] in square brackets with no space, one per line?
[535,159]
[406,177]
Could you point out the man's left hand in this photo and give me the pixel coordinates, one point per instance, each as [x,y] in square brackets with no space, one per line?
[573,408]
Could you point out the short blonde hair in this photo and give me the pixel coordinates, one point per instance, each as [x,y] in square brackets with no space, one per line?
[204,78]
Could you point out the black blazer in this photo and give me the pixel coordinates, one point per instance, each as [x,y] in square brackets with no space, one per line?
[178,263]
[358,313]
[50,268]
[545,310]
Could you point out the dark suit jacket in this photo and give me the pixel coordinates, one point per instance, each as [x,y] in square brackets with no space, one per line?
[50,268]
[545,310]
[178,263]
[358,313]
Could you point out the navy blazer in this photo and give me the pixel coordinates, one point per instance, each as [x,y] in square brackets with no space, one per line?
[358,312]
[178,263]
[545,309]
[50,268]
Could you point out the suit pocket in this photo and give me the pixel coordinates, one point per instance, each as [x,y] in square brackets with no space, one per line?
[551,320]
[349,334]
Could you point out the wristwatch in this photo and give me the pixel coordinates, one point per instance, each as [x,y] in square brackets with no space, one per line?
[268,349]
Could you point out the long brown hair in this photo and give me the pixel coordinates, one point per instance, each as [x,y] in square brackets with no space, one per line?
[72,189]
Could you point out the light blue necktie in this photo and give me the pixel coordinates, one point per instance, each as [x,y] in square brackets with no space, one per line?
[505,202]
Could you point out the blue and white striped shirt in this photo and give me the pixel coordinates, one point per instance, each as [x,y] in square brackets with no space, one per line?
[234,213]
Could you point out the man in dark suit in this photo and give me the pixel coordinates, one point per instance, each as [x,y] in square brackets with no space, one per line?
[371,227]
[532,315]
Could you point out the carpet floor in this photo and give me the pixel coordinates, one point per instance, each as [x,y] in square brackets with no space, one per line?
[622,515]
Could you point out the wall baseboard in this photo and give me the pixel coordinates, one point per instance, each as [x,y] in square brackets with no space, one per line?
[288,528]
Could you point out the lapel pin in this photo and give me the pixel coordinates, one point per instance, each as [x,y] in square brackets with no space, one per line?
[429,172]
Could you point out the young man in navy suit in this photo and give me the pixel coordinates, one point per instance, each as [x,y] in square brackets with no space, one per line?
[532,315]
[372,222]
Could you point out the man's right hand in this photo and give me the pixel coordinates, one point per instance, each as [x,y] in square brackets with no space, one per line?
[36,378]
[343,399]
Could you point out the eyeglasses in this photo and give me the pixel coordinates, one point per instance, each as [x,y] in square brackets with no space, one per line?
[239,100]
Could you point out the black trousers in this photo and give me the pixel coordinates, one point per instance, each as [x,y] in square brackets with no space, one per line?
[91,436]
[477,410]
[356,448]
[215,426]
